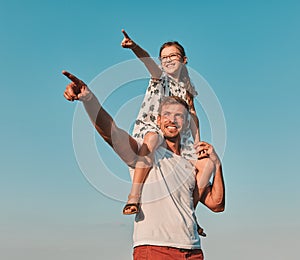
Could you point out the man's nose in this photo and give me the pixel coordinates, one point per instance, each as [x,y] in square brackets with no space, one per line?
[172,118]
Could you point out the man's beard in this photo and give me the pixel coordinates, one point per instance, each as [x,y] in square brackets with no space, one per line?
[172,138]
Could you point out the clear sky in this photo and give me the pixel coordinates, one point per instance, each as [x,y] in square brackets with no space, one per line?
[248,53]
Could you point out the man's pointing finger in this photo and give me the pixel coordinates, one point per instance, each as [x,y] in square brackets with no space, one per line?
[71,77]
[125,34]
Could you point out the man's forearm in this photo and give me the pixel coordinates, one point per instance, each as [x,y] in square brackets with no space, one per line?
[214,195]
[122,143]
[102,121]
[218,189]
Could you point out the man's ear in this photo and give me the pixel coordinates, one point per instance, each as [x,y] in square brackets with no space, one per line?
[158,120]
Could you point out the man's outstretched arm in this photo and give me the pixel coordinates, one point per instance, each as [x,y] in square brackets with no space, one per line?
[123,144]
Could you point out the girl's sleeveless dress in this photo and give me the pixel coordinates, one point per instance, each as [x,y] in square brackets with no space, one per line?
[147,116]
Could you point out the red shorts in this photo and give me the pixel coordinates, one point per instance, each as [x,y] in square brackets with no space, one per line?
[148,252]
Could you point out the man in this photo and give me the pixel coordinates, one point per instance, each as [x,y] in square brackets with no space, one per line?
[165,227]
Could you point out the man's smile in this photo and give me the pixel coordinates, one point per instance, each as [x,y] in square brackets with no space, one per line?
[171,127]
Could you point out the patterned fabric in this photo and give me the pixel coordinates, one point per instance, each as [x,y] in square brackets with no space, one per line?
[147,117]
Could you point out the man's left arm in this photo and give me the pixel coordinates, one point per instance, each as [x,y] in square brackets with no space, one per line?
[213,195]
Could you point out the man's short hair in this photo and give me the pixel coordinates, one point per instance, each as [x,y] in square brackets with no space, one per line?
[172,100]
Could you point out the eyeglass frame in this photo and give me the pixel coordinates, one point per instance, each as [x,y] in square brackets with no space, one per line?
[171,57]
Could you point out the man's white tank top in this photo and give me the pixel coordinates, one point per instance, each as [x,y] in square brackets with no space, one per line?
[167,216]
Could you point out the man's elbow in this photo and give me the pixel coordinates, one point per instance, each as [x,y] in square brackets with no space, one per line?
[220,207]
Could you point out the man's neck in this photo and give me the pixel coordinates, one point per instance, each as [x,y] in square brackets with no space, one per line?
[173,145]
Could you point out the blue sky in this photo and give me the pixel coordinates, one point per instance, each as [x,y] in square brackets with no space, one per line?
[249,54]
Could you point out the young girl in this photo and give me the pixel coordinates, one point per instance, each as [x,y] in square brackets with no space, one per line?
[171,79]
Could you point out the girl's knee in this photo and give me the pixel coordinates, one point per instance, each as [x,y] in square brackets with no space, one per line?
[152,140]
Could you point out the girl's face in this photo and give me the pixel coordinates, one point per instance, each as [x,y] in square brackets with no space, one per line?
[172,60]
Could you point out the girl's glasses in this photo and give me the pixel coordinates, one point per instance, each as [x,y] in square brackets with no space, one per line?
[170,57]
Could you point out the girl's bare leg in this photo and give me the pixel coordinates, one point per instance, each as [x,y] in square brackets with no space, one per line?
[143,165]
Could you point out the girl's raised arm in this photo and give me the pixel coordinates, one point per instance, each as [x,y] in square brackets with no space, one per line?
[143,55]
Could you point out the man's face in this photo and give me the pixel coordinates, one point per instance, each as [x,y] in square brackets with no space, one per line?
[173,120]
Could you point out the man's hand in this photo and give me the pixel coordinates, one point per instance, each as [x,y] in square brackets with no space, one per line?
[127,42]
[205,150]
[77,89]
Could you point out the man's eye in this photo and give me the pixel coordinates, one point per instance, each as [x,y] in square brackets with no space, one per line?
[180,116]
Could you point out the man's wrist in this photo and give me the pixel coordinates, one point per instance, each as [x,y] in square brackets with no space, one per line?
[88,96]
[134,46]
